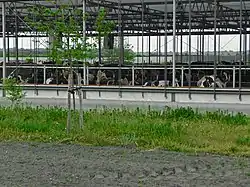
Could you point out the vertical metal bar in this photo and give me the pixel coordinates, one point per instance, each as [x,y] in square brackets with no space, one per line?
[84,37]
[197,48]
[245,46]
[166,48]
[181,46]
[240,96]
[120,46]
[84,74]
[189,50]
[8,42]
[157,46]
[4,43]
[208,52]
[248,60]
[174,42]
[149,49]
[142,43]
[200,49]
[99,44]
[160,49]
[182,75]
[215,53]
[234,71]
[138,42]
[100,50]
[219,50]
[16,34]
[245,39]
[203,45]
[44,74]
[133,75]
[87,75]
[177,56]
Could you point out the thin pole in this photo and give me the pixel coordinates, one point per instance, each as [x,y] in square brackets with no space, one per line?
[16,36]
[181,47]
[4,43]
[149,48]
[142,43]
[121,40]
[174,42]
[240,96]
[203,45]
[189,51]
[84,37]
[166,48]
[215,53]
[248,60]
[159,47]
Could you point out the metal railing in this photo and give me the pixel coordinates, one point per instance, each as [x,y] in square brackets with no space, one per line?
[87,70]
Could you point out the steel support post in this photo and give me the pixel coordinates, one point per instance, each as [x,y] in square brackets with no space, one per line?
[121,46]
[203,45]
[157,46]
[219,50]
[189,51]
[166,47]
[240,96]
[174,42]
[142,43]
[8,42]
[181,50]
[245,47]
[4,43]
[215,52]
[149,49]
[16,34]
[197,48]
[159,49]
[84,37]
[248,60]
[138,48]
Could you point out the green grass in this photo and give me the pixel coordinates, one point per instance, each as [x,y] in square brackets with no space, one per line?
[182,129]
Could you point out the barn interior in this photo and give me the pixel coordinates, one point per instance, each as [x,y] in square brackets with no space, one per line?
[179,43]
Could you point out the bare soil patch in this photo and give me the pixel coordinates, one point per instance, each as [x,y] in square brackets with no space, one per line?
[39,164]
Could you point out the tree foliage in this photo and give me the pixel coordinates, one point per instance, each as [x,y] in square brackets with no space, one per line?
[103,26]
[63,23]
[114,54]
[14,91]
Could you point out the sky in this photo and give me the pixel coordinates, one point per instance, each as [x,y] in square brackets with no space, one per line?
[227,42]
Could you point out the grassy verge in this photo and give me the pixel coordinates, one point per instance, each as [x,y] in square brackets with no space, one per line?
[180,129]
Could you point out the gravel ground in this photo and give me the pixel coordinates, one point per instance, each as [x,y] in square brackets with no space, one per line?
[23,164]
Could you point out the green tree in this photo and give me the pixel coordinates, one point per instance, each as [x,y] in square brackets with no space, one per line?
[114,54]
[14,91]
[63,23]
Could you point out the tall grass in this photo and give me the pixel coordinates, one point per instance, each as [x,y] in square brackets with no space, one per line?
[182,129]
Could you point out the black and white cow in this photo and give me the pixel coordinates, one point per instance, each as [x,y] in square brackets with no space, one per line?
[219,81]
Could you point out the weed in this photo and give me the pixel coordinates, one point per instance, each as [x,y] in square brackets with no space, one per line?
[244,140]
[181,129]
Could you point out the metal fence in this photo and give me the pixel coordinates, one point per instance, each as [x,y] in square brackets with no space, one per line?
[239,76]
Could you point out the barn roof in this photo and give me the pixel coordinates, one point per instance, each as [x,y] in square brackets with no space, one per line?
[202,13]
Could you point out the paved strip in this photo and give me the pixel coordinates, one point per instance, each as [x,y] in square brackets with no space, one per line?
[90,104]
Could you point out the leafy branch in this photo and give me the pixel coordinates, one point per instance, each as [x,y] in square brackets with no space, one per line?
[14,91]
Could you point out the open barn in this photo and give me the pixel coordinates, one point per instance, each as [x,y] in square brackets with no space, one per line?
[176,44]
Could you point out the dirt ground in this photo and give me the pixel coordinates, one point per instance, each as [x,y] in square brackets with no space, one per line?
[23,164]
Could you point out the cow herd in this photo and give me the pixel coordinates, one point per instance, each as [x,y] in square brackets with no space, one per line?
[160,78]
[142,77]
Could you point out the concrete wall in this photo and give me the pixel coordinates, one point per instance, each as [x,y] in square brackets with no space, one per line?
[145,94]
